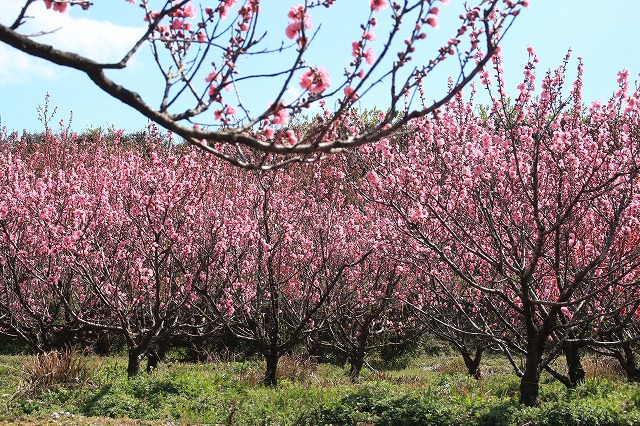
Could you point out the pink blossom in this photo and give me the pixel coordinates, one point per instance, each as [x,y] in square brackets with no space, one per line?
[293,29]
[370,56]
[350,92]
[378,5]
[315,80]
[281,116]
[269,132]
[433,21]
[373,177]
[291,137]
[225,6]
[212,76]
[189,10]
[300,18]
[164,30]
[623,76]
[58,7]
[355,49]
[151,17]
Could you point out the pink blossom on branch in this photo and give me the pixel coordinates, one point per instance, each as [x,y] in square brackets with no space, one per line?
[194,43]
[378,5]
[58,6]
[300,18]
[315,80]
[433,21]
[370,56]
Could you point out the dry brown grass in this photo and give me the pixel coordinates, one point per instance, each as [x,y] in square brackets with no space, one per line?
[297,368]
[451,366]
[604,367]
[294,367]
[44,372]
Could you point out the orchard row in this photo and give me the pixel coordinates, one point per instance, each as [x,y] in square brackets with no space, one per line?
[513,227]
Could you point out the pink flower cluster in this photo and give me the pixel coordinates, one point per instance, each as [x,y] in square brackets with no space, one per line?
[300,20]
[315,80]
[178,27]
[58,6]
[356,51]
[378,5]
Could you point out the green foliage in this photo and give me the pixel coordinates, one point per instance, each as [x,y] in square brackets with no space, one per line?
[230,393]
[399,355]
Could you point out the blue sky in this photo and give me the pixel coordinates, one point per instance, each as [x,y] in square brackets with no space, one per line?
[604,34]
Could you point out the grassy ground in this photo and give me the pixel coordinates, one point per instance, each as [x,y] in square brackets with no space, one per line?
[429,391]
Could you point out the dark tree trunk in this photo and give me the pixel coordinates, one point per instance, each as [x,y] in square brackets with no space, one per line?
[315,348]
[529,387]
[198,348]
[574,365]
[153,359]
[356,360]
[270,374]
[102,346]
[627,361]
[133,367]
[155,356]
[473,363]
[530,380]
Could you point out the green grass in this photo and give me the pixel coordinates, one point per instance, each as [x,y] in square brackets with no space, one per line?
[429,391]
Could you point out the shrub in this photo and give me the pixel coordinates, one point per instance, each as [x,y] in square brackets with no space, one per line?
[48,371]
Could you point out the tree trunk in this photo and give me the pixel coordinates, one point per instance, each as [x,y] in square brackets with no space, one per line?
[574,365]
[199,349]
[472,363]
[270,375]
[157,355]
[102,345]
[529,387]
[314,346]
[152,361]
[133,366]
[530,380]
[628,363]
[356,359]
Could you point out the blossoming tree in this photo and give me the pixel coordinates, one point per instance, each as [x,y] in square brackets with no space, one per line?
[299,242]
[531,208]
[42,218]
[200,54]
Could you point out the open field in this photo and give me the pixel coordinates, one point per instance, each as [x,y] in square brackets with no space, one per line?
[428,391]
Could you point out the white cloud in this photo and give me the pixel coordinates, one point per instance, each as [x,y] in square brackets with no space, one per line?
[100,41]
[291,94]
[18,67]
